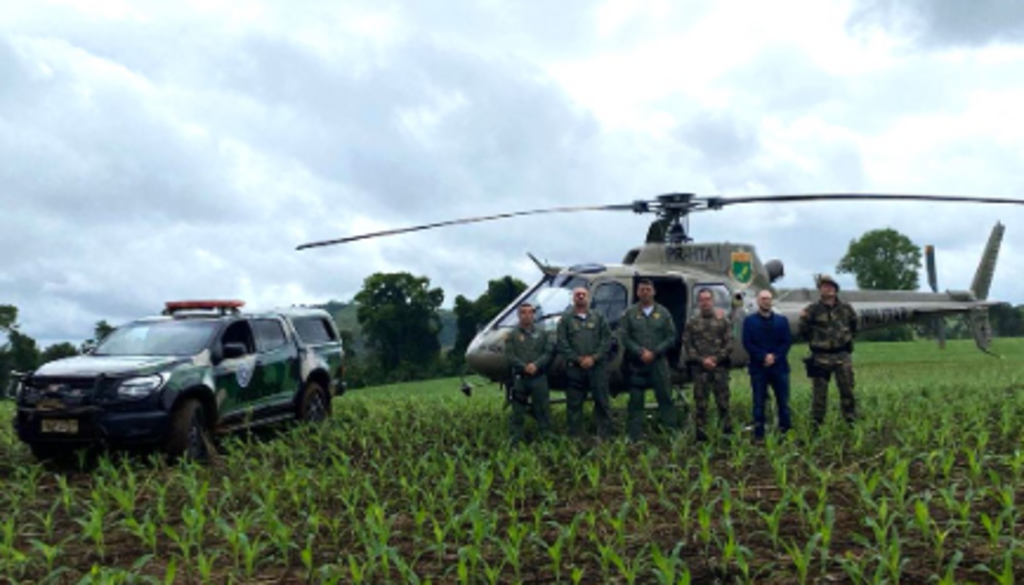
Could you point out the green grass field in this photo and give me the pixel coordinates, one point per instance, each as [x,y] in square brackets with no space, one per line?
[416,483]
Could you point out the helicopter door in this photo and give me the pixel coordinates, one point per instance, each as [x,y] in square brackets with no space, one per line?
[671,293]
[610,299]
[719,292]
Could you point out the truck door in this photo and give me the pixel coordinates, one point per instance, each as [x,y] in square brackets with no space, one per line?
[234,375]
[276,362]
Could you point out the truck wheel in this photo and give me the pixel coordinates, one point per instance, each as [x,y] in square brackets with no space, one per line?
[313,406]
[187,437]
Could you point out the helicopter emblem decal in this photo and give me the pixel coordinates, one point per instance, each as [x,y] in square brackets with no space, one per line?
[742,267]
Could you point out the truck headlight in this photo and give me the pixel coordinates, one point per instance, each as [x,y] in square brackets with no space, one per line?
[140,387]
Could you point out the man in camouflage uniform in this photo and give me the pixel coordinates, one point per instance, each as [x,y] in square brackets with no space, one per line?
[647,334]
[529,352]
[829,326]
[584,340]
[707,342]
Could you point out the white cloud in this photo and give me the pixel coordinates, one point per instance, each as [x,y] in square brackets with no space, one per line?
[150,152]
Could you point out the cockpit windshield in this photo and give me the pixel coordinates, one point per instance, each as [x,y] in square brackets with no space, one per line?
[550,298]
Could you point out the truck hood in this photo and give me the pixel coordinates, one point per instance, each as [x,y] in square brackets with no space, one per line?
[92,365]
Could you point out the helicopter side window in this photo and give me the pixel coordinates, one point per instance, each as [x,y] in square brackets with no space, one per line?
[610,299]
[719,292]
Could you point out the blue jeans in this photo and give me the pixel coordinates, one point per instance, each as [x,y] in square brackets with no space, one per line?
[779,381]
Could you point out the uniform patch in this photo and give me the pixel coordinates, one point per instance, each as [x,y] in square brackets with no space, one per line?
[742,267]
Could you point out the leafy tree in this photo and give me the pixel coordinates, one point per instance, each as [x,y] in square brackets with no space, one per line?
[8,316]
[471,315]
[883,260]
[102,330]
[467,320]
[58,351]
[1007,321]
[348,343]
[398,313]
[8,324]
[23,351]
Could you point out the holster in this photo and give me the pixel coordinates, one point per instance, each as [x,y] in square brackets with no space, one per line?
[517,392]
[813,369]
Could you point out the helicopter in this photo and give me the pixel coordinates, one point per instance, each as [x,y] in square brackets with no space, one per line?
[733,272]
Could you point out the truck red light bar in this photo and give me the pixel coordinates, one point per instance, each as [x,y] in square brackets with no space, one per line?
[223,306]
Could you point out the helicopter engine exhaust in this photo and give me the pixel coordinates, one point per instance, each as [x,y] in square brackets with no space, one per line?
[775,270]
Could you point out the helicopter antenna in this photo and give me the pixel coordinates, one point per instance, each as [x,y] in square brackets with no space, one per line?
[547,269]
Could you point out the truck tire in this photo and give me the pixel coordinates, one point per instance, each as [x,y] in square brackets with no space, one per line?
[313,405]
[187,437]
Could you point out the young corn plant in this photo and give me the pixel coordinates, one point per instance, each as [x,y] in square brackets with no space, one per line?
[773,518]
[145,531]
[669,569]
[890,559]
[948,576]
[48,552]
[512,548]
[802,556]
[93,526]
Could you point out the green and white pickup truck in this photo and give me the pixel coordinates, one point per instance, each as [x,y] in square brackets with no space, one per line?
[172,381]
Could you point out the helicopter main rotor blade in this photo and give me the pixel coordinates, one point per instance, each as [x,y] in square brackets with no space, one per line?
[392,232]
[719,202]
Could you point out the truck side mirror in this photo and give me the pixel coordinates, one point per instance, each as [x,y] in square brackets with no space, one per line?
[234,350]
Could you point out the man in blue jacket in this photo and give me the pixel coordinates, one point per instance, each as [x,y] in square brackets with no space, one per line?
[767,339]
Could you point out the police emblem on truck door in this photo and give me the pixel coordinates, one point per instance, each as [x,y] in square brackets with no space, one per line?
[243,375]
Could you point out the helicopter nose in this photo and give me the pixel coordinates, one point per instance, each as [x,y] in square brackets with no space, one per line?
[485,354]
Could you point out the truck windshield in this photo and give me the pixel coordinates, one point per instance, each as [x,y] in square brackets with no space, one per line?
[158,338]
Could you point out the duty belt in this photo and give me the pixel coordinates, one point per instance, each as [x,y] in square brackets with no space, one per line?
[844,349]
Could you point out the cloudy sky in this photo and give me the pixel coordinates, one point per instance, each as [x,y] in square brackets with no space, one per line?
[152,151]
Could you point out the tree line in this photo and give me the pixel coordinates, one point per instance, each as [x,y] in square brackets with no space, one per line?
[396,334]
[21,353]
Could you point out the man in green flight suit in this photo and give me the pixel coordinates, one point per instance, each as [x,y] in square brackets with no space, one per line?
[584,340]
[829,326]
[529,352]
[648,334]
[707,342]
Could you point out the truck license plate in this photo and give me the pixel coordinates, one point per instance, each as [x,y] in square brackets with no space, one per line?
[58,425]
